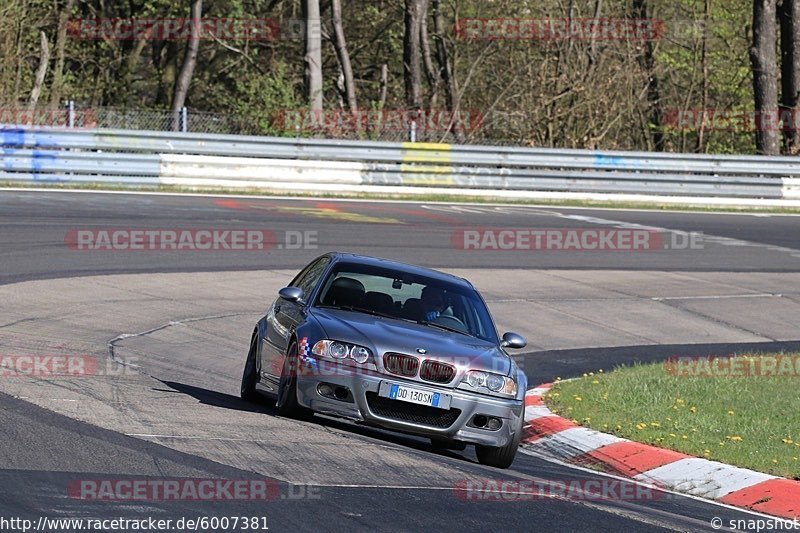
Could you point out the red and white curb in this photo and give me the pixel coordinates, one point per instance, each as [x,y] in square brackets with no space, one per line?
[556,437]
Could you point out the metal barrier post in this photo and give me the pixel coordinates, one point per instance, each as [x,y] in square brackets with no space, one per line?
[70,114]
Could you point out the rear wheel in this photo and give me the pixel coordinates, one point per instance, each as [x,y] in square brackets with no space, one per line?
[287,404]
[500,456]
[250,374]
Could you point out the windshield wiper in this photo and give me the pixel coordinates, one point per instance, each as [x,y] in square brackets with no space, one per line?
[364,310]
[442,326]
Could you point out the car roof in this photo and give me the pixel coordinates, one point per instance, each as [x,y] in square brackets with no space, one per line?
[404,267]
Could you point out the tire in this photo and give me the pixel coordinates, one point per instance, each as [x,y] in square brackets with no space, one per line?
[439,443]
[502,456]
[287,404]
[250,374]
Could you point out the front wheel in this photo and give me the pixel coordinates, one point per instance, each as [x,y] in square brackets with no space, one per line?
[250,374]
[287,404]
[500,456]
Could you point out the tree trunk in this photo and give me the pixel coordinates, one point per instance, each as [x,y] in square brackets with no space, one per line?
[700,146]
[41,72]
[431,75]
[789,16]
[313,57]
[647,62]
[61,40]
[384,84]
[765,79]
[412,56]
[448,78]
[344,55]
[189,62]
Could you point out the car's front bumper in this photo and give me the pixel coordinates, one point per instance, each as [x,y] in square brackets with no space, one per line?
[363,405]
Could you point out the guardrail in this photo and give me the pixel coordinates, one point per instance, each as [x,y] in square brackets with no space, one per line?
[203,160]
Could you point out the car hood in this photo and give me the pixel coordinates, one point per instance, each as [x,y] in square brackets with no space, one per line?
[383,335]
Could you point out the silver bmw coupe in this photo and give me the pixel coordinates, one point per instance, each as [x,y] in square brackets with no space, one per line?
[391,345]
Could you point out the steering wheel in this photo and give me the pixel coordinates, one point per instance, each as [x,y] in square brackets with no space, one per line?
[451,322]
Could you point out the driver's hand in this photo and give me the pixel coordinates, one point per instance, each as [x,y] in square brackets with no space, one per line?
[433,315]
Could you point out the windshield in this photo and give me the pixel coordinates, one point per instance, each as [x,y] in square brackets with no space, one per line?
[404,296]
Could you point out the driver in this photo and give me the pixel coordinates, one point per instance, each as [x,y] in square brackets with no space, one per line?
[434,302]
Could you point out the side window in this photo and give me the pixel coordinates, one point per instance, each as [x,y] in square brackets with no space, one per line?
[309,277]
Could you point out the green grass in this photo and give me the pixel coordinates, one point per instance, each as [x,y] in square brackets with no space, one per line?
[655,206]
[751,422]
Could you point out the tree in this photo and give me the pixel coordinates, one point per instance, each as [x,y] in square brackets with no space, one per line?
[647,62]
[313,57]
[340,43]
[789,16]
[41,72]
[765,79]
[412,54]
[58,70]
[189,62]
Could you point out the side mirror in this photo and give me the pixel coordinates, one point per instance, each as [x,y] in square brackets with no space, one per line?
[291,294]
[513,340]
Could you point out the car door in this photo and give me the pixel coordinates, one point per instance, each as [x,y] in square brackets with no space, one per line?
[284,316]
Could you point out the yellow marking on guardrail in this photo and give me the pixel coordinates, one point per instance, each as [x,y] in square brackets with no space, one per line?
[427,164]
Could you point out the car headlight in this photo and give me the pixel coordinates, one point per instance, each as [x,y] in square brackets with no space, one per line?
[341,350]
[496,384]
[359,354]
[337,350]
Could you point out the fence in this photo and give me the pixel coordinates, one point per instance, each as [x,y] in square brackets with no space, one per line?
[387,125]
[313,165]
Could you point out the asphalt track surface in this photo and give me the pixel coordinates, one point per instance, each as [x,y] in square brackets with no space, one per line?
[43,450]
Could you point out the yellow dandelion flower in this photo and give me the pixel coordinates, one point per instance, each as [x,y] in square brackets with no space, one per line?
[731,413]
[655,424]
[693,409]
[578,398]
[595,382]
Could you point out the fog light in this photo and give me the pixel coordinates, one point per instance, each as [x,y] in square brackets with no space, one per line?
[325,390]
[479,421]
[494,424]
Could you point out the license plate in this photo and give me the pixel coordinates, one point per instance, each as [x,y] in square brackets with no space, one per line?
[414,395]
